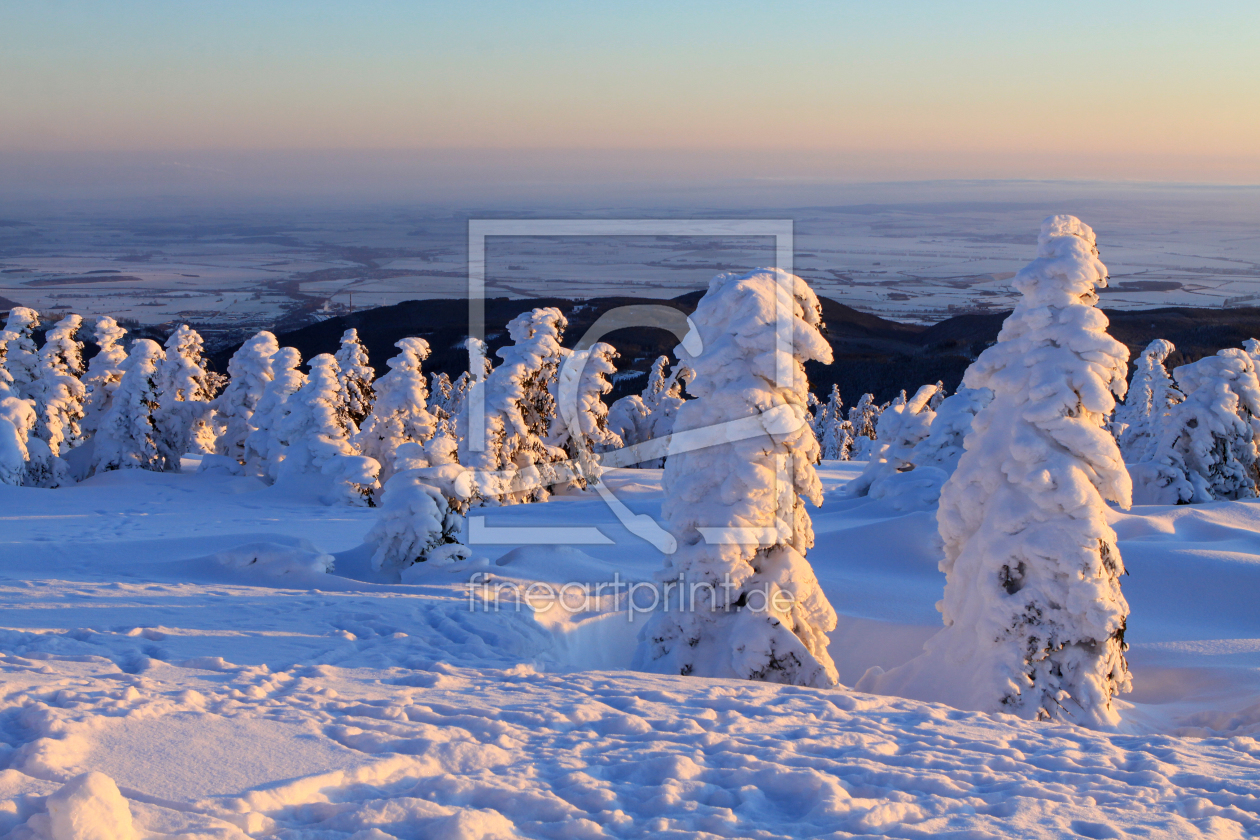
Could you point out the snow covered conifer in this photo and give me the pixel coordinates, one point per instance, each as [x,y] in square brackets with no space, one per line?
[103,371]
[400,414]
[580,426]
[265,446]
[184,394]
[1151,395]
[835,433]
[355,378]
[127,437]
[900,429]
[515,465]
[21,359]
[863,417]
[416,525]
[1034,616]
[17,421]
[943,445]
[59,394]
[317,430]
[1204,447]
[753,608]
[250,371]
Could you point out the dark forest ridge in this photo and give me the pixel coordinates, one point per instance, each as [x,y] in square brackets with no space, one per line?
[871,353]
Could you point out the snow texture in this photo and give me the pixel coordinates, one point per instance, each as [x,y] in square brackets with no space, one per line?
[747,603]
[1033,612]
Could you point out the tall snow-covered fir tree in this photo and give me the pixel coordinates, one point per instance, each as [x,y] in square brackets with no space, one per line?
[318,431]
[401,414]
[751,607]
[864,417]
[1033,612]
[59,395]
[265,446]
[515,465]
[1204,447]
[21,358]
[127,437]
[580,426]
[355,377]
[250,371]
[834,432]
[185,390]
[103,371]
[17,422]
[1145,408]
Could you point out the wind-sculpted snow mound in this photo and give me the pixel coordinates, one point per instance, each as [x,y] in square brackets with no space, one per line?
[270,558]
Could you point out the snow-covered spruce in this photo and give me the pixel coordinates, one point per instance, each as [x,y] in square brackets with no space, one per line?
[355,376]
[127,437]
[516,463]
[21,359]
[103,371]
[416,524]
[250,371]
[899,430]
[59,396]
[1145,407]
[580,426]
[17,421]
[943,446]
[401,414]
[1204,447]
[317,430]
[834,432]
[639,418]
[744,601]
[265,446]
[1034,616]
[863,418]
[184,395]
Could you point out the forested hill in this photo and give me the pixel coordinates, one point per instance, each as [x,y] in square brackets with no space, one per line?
[871,353]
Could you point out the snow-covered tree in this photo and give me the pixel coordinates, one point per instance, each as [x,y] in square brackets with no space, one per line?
[416,525]
[1204,447]
[899,430]
[835,433]
[21,359]
[127,437]
[639,418]
[318,430]
[355,378]
[746,603]
[943,445]
[184,395]
[59,394]
[401,413]
[1146,406]
[580,426]
[864,417]
[515,465]
[17,421]
[250,371]
[265,446]
[1034,616]
[103,371]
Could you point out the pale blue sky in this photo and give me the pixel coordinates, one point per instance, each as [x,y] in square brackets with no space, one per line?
[1163,86]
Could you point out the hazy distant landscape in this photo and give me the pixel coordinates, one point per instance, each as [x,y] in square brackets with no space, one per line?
[919,255]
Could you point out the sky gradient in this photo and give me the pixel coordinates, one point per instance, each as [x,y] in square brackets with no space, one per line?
[1160,91]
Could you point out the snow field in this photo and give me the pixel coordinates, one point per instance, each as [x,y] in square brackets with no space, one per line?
[227,698]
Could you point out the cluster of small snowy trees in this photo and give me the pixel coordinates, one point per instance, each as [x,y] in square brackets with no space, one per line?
[61,421]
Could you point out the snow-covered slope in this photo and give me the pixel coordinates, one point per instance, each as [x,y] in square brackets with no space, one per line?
[173,632]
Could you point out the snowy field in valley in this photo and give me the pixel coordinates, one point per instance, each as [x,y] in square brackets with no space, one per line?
[173,632]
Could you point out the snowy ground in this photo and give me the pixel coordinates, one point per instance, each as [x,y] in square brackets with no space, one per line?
[231,700]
